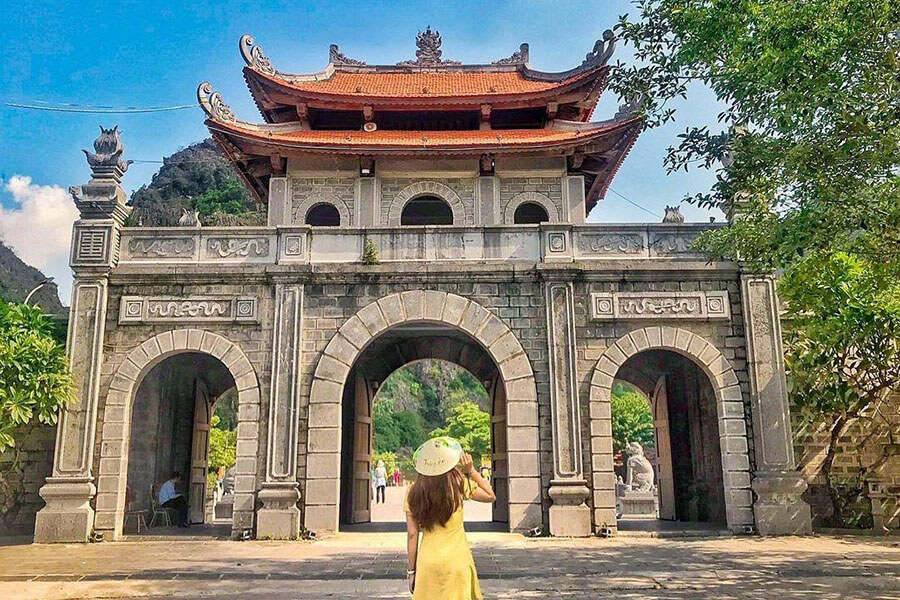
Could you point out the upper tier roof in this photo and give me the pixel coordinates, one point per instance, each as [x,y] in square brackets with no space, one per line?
[428,82]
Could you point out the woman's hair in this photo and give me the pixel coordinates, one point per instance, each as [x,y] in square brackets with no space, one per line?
[434,498]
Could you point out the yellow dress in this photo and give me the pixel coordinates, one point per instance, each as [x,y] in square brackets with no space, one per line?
[445,569]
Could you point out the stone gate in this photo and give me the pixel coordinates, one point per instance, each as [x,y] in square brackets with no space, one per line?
[420,210]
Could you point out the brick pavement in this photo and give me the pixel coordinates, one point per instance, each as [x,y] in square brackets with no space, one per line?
[371,566]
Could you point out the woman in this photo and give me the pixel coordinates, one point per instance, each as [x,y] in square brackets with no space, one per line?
[443,568]
[380,482]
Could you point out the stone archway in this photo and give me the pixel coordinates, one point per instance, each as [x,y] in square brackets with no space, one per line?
[322,495]
[115,437]
[301,210]
[730,409]
[427,188]
[534,197]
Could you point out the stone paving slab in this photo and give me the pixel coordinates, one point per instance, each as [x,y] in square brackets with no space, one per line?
[372,566]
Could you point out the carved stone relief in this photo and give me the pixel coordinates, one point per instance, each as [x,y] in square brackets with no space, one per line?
[660,305]
[602,244]
[161,248]
[140,309]
[231,247]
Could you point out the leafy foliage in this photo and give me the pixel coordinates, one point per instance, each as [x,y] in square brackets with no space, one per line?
[843,357]
[472,427]
[632,419]
[35,382]
[807,167]
[811,93]
[222,445]
[370,253]
[395,430]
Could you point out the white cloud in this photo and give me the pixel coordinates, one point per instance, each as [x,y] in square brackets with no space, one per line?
[39,227]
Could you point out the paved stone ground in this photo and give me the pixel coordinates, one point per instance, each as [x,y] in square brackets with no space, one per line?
[372,566]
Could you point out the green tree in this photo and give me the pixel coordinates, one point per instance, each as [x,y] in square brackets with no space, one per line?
[810,146]
[395,430]
[808,167]
[35,382]
[632,419]
[228,199]
[471,426]
[843,360]
[222,445]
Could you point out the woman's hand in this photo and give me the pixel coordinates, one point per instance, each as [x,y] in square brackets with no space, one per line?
[411,578]
[466,464]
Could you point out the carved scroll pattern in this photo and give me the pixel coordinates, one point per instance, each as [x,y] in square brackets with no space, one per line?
[238,247]
[660,305]
[611,243]
[161,248]
[139,309]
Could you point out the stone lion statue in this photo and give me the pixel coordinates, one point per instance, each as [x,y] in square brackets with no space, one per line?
[640,471]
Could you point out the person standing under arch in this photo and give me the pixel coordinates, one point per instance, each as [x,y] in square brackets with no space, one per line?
[443,567]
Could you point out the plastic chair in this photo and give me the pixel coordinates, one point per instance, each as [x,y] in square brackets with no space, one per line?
[157,510]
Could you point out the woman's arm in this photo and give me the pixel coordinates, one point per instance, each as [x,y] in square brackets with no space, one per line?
[412,550]
[484,492]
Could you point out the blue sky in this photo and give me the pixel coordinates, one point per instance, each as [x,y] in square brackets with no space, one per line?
[141,54]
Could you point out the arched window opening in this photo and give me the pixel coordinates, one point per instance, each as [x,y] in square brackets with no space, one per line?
[426,210]
[530,213]
[323,215]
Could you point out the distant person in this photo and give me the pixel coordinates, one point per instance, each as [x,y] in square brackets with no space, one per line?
[380,482]
[443,567]
[396,477]
[170,497]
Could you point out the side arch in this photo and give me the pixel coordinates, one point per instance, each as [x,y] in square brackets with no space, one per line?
[537,198]
[427,188]
[301,210]
[729,407]
[115,437]
[361,330]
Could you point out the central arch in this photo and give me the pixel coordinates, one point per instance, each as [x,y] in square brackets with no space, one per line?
[427,188]
[465,323]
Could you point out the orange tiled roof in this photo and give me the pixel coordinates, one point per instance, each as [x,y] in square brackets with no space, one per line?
[414,85]
[423,140]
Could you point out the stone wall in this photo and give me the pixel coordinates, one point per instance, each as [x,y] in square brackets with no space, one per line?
[22,473]
[549,187]
[306,192]
[461,187]
[866,442]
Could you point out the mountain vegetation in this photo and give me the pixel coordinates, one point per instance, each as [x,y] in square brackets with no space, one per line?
[197,178]
[18,278]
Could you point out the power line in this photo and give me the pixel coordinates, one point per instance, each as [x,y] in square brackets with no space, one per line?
[78,108]
[646,210]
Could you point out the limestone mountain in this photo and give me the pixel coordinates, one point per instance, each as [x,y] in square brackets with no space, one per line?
[18,278]
[195,178]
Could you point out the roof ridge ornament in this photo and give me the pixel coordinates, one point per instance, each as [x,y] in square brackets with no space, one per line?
[632,107]
[520,57]
[336,57]
[107,155]
[429,51]
[213,104]
[253,55]
[603,49]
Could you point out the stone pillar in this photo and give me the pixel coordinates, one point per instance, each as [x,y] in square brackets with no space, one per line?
[368,202]
[777,484]
[279,202]
[279,516]
[569,513]
[68,515]
[573,199]
[487,200]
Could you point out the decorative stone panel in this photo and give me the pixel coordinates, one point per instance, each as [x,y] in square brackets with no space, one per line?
[138,309]
[238,248]
[155,248]
[93,245]
[660,305]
